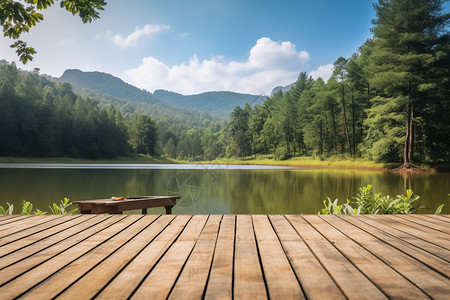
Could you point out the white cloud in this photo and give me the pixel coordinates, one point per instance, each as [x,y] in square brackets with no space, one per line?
[324,72]
[183,35]
[269,64]
[132,39]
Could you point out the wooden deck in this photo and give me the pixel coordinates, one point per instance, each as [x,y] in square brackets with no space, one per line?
[225,257]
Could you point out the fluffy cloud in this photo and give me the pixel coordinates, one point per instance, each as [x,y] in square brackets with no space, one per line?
[324,72]
[269,64]
[132,39]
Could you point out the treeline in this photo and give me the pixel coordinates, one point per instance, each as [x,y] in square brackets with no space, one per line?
[39,117]
[388,102]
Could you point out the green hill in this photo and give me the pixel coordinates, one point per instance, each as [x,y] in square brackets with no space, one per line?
[218,103]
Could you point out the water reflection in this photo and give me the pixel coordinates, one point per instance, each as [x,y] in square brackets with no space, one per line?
[217,191]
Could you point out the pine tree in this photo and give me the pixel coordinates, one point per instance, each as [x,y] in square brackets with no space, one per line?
[407,34]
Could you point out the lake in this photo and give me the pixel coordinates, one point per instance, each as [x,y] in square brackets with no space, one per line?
[212,189]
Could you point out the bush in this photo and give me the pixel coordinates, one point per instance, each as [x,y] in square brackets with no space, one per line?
[281,153]
[27,208]
[367,202]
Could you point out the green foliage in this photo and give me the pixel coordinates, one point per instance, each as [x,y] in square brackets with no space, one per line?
[39,117]
[281,153]
[18,17]
[27,209]
[62,208]
[367,202]
[8,211]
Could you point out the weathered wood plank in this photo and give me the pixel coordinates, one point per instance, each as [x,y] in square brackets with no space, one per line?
[75,270]
[25,223]
[431,254]
[435,224]
[159,282]
[248,277]
[422,232]
[69,235]
[383,276]
[280,278]
[225,257]
[11,218]
[24,238]
[192,281]
[314,279]
[23,266]
[125,283]
[220,284]
[442,218]
[41,272]
[94,281]
[350,280]
[432,283]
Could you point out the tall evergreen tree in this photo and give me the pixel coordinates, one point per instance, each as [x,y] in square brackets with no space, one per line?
[407,34]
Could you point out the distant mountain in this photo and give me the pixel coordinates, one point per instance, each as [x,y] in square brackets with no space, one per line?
[109,84]
[281,88]
[112,90]
[218,103]
[107,90]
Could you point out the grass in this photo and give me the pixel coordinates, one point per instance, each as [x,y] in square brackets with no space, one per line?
[343,163]
[304,161]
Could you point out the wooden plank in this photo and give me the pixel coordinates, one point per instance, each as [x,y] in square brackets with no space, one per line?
[432,283]
[124,284]
[220,284]
[314,279]
[442,218]
[384,277]
[10,218]
[23,266]
[25,223]
[422,232]
[48,268]
[428,222]
[192,281]
[404,242]
[77,269]
[94,281]
[28,236]
[438,219]
[248,276]
[280,278]
[69,233]
[161,279]
[350,280]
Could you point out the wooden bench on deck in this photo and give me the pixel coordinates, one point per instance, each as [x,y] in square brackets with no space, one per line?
[101,206]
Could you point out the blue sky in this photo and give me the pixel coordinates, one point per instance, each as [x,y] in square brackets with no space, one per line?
[202,45]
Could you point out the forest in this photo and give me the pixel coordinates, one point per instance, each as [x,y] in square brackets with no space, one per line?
[388,102]
[43,118]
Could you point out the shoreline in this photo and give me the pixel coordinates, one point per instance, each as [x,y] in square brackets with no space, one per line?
[297,162]
[332,163]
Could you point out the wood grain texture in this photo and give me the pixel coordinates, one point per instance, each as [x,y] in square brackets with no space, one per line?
[225,257]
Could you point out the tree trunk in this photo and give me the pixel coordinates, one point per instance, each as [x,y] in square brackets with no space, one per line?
[345,122]
[353,123]
[334,130]
[320,138]
[408,137]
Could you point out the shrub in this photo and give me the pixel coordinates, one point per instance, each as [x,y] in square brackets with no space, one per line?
[367,202]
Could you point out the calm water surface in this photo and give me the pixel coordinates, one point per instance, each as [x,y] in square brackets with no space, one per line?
[212,189]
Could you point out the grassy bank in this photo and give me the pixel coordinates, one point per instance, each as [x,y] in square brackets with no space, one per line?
[337,163]
[343,163]
[136,159]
